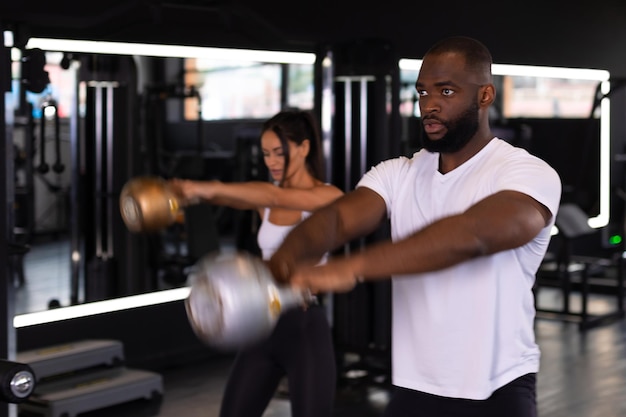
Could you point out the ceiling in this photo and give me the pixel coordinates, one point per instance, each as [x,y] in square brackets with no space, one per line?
[585,34]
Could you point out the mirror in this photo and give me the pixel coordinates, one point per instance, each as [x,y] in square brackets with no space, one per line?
[115,119]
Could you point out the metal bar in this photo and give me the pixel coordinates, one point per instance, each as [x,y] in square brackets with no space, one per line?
[620,283]
[348,136]
[326,111]
[363,120]
[109,172]
[98,174]
[75,204]
[363,134]
[7,299]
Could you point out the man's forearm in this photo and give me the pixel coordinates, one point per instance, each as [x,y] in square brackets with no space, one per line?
[327,229]
[307,242]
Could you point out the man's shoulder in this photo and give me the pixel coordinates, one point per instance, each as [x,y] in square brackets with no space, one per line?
[518,159]
[514,151]
[408,159]
[400,162]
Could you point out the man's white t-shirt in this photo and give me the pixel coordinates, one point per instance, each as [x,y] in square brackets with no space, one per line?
[467,330]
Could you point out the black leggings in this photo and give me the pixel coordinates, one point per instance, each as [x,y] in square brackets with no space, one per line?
[299,347]
[516,399]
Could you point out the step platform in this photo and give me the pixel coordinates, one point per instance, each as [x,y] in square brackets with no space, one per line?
[61,359]
[85,392]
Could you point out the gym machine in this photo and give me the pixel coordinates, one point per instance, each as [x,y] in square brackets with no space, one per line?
[362,78]
[177,245]
[111,261]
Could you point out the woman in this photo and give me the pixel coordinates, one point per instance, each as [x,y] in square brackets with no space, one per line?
[300,346]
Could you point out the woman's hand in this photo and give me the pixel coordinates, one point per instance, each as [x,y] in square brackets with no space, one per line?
[190,192]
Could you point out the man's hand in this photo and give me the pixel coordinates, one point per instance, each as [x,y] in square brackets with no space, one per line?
[336,275]
[281,268]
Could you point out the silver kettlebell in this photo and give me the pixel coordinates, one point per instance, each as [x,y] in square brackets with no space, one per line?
[235,301]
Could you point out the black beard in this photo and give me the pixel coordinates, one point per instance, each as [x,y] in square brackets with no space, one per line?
[460,131]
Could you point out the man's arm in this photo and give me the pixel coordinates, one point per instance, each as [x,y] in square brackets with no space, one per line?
[505,220]
[354,215]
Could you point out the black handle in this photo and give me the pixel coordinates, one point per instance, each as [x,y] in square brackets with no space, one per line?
[43,165]
[58,167]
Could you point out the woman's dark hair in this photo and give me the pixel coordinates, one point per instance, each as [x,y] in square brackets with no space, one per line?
[296,126]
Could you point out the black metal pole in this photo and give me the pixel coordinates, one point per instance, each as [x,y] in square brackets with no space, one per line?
[7,308]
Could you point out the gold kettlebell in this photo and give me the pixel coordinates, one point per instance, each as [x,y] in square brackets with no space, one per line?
[148,204]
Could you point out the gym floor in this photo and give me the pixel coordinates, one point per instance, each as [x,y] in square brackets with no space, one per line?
[583,373]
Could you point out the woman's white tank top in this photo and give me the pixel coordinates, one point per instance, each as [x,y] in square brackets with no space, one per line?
[271,235]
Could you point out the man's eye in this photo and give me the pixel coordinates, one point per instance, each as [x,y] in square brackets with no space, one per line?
[447,92]
[421,93]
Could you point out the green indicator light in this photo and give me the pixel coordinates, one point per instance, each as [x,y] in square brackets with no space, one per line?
[615,239]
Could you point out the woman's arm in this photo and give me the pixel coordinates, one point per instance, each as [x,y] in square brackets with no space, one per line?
[255,194]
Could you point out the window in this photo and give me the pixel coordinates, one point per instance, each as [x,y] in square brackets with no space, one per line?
[239,90]
[543,97]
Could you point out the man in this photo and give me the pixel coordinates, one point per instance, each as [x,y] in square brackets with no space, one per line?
[470,223]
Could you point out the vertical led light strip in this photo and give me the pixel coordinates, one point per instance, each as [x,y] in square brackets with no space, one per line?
[602,76]
[602,219]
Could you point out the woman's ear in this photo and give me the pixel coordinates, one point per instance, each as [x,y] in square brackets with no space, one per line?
[306,146]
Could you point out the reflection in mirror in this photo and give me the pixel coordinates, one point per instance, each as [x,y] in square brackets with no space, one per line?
[43,182]
[148,110]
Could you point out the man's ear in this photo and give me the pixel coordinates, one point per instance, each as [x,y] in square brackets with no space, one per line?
[487,95]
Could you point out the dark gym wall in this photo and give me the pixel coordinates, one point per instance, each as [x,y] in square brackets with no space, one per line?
[571,34]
